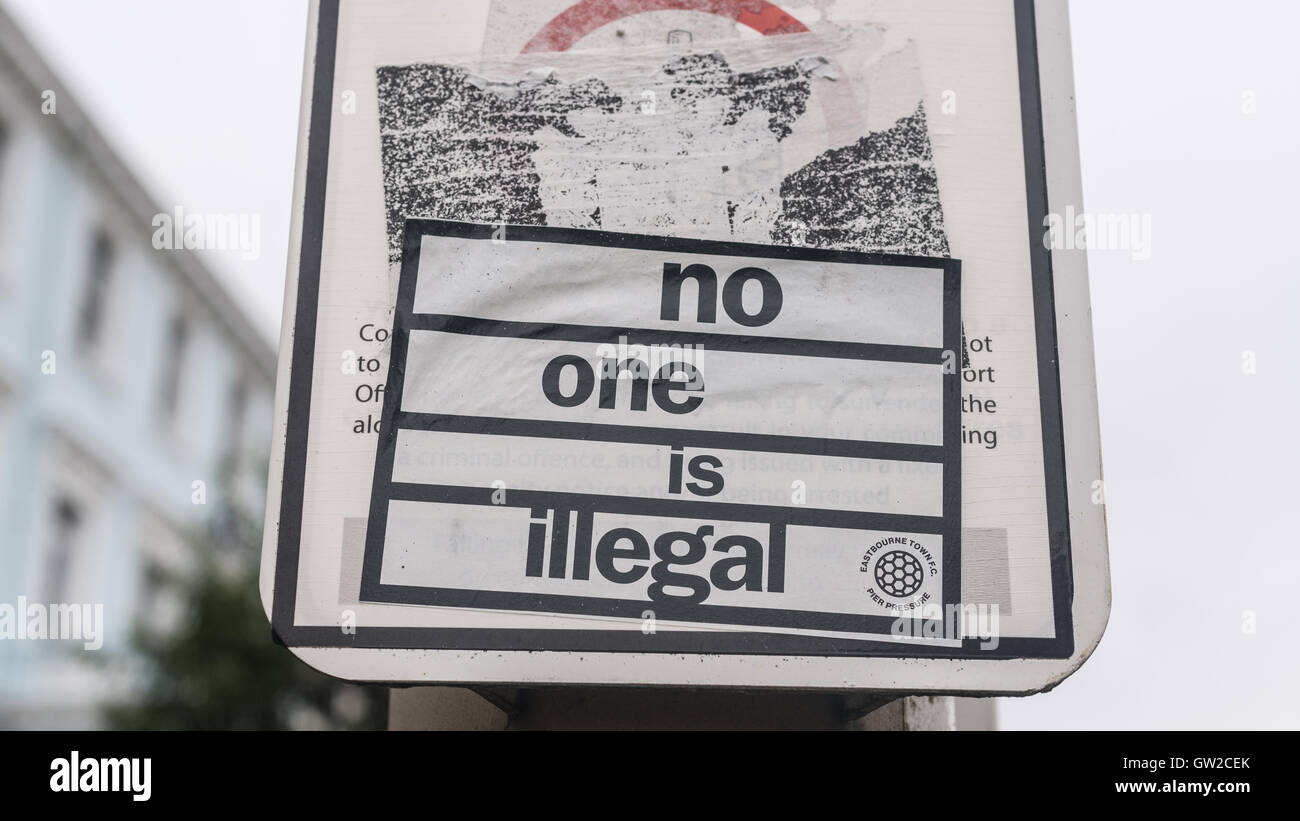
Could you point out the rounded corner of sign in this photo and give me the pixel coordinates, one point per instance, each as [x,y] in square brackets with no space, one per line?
[1084,645]
[1091,620]
[328,661]
[265,596]
[266,584]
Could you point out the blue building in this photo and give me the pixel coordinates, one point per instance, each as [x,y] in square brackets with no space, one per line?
[130,385]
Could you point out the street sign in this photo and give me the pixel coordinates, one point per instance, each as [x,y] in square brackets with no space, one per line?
[625,348]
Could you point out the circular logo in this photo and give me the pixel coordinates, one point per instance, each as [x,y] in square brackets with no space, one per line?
[899,573]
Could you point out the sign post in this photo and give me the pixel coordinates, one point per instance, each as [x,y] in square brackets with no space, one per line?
[646,354]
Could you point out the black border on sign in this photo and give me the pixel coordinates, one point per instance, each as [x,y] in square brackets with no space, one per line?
[284,591]
[858,627]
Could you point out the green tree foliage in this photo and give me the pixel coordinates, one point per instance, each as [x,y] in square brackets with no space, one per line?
[217,667]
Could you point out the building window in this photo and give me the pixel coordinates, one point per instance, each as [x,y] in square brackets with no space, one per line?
[94,300]
[174,352]
[4,158]
[5,403]
[165,565]
[67,523]
[7,216]
[236,409]
[152,597]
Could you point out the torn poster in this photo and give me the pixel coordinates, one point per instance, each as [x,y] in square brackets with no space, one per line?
[810,140]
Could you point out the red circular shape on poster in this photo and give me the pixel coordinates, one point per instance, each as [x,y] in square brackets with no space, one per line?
[584,17]
[843,120]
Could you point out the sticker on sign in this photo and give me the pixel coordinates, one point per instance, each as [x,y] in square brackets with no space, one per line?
[706,432]
[673,356]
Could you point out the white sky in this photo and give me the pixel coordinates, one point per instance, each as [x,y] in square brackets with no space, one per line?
[1201,460]
[201,99]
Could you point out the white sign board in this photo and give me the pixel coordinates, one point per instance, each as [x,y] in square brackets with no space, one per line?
[624,348]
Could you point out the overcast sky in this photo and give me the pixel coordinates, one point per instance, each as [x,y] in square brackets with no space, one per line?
[201,97]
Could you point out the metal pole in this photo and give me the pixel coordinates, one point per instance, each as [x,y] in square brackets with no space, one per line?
[644,708]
